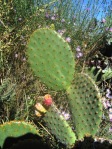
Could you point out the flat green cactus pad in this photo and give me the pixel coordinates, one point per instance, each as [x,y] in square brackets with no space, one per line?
[51,58]
[59,127]
[85,105]
[15,129]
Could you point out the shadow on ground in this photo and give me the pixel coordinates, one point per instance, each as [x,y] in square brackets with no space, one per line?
[27,141]
[89,143]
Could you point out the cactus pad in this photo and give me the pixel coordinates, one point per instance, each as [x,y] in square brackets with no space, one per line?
[51,59]
[15,129]
[85,105]
[59,126]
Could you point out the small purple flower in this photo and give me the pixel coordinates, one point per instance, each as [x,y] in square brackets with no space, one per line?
[103,20]
[63,20]
[106,103]
[108,95]
[53,18]
[66,115]
[78,49]
[107,28]
[68,39]
[61,32]
[110,29]
[79,55]
[87,9]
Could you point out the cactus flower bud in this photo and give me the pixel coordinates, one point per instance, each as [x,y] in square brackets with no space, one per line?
[47,100]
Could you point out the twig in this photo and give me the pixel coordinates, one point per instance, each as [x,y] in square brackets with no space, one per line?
[45,129]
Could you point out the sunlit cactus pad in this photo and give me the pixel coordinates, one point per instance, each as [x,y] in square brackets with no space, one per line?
[15,129]
[51,58]
[85,105]
[59,126]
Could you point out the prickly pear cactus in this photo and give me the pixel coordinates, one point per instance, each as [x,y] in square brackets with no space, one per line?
[51,59]
[59,126]
[85,105]
[15,129]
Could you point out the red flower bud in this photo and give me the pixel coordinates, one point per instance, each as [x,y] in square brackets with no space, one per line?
[47,100]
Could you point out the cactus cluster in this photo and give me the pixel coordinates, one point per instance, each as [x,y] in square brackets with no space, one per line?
[52,60]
